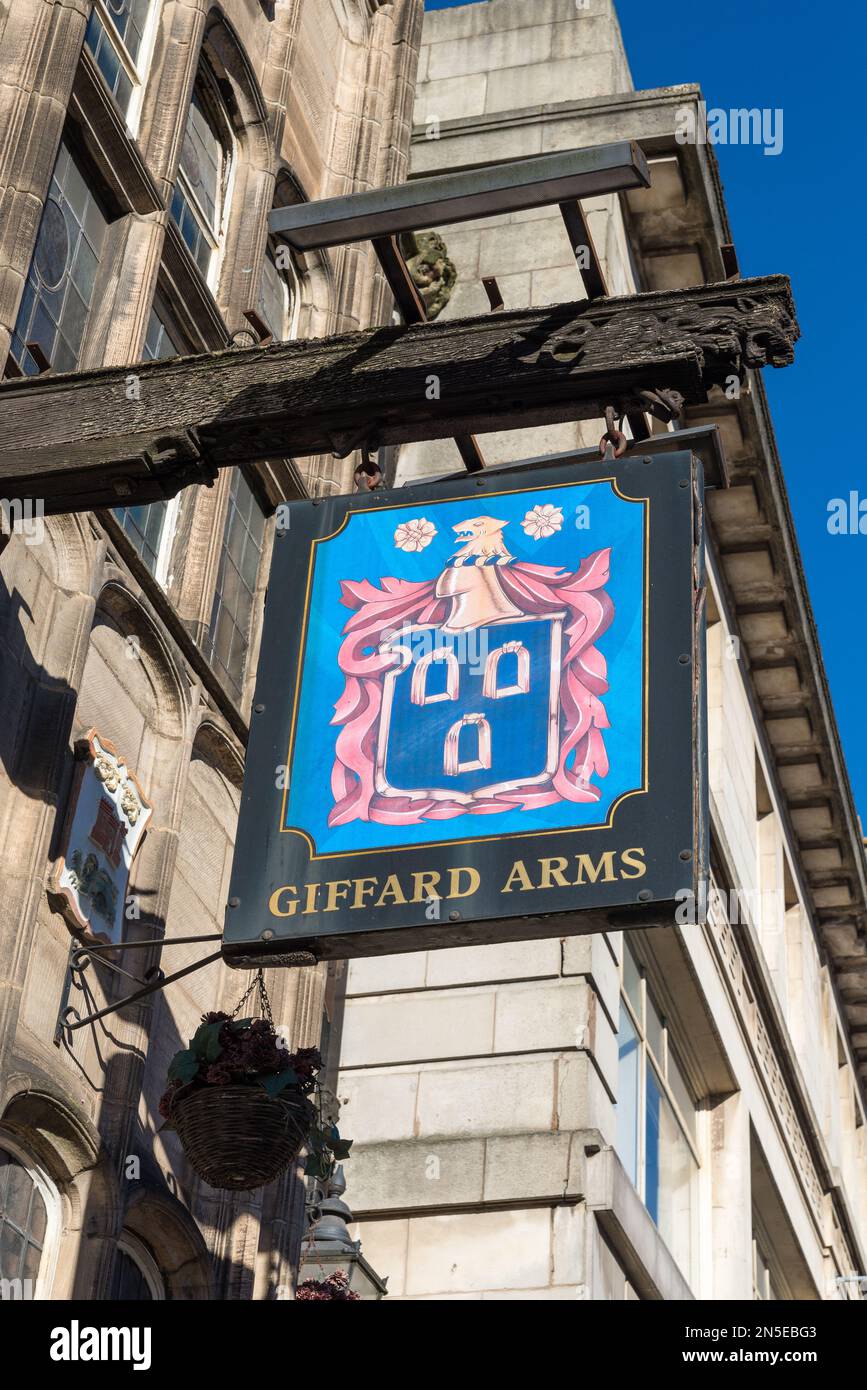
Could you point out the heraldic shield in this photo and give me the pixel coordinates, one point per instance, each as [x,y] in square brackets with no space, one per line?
[474,693]
[445,730]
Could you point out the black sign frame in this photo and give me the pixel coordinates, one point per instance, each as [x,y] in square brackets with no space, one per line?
[663,832]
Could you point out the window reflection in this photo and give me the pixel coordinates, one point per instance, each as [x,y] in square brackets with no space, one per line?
[232,613]
[654,1104]
[197,203]
[627,1096]
[114,36]
[23,1221]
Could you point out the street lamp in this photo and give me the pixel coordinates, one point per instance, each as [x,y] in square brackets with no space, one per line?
[328,1247]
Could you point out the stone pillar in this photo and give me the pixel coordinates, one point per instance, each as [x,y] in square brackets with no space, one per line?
[732,1225]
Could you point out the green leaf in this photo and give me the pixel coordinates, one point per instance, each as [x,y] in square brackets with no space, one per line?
[275,1084]
[206,1041]
[317,1166]
[238,1025]
[184,1066]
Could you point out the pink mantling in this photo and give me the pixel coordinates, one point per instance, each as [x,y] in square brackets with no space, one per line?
[535,590]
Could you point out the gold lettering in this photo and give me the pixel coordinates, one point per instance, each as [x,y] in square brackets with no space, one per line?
[311,892]
[364,888]
[629,860]
[391,890]
[426,885]
[605,867]
[274,901]
[553,869]
[338,889]
[519,874]
[454,880]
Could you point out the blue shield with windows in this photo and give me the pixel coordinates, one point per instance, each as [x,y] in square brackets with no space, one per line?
[470,714]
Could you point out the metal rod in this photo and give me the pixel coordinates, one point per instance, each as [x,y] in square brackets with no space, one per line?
[401,283]
[470,452]
[146,989]
[485,191]
[413,310]
[581,241]
[492,290]
[101,946]
[79,967]
[593,279]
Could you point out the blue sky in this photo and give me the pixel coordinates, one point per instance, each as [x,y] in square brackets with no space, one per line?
[802,213]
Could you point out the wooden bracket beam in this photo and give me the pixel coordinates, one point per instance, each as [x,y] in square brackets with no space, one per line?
[84,440]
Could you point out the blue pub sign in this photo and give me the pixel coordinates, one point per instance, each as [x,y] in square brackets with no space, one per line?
[479,714]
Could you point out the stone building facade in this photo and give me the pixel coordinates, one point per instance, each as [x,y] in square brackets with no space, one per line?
[677,1113]
[142,146]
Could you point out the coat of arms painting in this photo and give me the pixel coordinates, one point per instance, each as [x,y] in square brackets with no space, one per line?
[470,668]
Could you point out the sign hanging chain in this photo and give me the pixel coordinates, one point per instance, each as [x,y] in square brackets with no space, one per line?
[264,1001]
[613,443]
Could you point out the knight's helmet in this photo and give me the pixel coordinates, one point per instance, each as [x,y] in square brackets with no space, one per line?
[471,579]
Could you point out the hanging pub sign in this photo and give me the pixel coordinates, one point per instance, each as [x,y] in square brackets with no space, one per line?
[478,716]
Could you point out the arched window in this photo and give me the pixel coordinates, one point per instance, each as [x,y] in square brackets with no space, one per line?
[279,297]
[137,1277]
[28,1225]
[57,298]
[200,200]
[240,557]
[118,36]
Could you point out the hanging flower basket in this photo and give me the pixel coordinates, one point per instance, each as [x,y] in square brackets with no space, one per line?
[334,1289]
[238,1137]
[240,1102]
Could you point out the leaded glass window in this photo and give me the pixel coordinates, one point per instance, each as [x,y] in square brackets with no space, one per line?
[23,1222]
[114,35]
[232,613]
[197,204]
[146,526]
[59,290]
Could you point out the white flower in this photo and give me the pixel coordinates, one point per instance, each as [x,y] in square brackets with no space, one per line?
[414,535]
[543,521]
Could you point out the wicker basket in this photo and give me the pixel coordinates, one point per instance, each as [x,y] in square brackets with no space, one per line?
[237,1137]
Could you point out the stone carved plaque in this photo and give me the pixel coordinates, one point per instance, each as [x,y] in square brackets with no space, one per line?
[106,819]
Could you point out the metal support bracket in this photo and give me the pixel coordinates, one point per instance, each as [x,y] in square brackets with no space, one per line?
[154,979]
[412,308]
